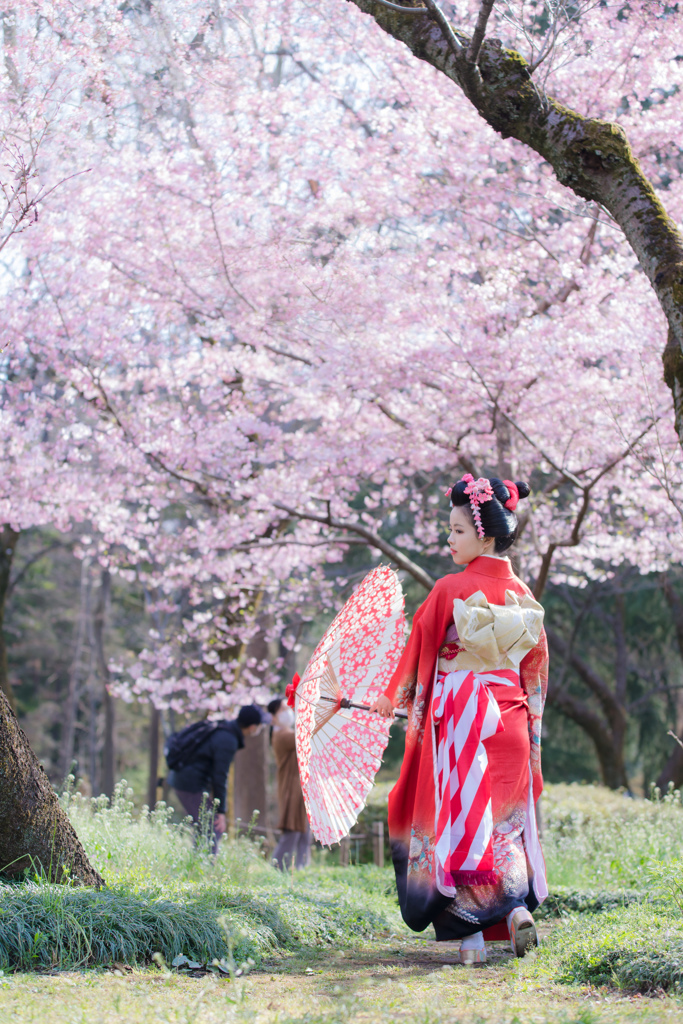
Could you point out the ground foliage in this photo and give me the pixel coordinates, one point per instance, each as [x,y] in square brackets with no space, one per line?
[637,948]
[596,839]
[167,896]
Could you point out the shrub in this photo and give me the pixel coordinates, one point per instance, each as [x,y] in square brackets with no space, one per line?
[595,839]
[563,900]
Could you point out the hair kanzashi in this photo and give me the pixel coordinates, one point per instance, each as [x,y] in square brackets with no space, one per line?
[493,514]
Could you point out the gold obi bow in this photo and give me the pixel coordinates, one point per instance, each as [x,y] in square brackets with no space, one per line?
[494,635]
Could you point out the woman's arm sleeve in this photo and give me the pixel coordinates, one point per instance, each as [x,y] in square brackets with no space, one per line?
[534,680]
[401,689]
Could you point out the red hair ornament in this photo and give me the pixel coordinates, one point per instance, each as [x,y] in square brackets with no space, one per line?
[512,487]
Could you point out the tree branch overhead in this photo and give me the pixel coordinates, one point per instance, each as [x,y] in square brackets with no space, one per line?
[591,157]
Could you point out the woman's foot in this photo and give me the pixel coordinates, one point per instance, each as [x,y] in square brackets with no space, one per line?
[522,931]
[473,949]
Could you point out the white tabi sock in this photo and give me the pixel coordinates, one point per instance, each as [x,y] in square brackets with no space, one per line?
[475,941]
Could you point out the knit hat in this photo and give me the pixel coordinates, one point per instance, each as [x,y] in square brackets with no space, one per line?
[249,715]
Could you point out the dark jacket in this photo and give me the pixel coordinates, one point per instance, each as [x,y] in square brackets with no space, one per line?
[211,761]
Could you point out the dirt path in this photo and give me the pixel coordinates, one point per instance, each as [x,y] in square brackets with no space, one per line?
[401,979]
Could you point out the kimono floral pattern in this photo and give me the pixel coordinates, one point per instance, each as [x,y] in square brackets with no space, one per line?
[421,856]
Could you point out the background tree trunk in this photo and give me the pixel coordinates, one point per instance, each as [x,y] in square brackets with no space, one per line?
[251,765]
[109,745]
[251,780]
[8,543]
[673,769]
[154,723]
[71,704]
[34,830]
[606,729]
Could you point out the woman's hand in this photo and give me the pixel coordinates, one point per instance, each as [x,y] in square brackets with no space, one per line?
[383,707]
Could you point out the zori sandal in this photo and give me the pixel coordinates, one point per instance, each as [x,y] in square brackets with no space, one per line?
[522,931]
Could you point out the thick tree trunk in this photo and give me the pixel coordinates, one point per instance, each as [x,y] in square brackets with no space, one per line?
[591,157]
[34,830]
[8,543]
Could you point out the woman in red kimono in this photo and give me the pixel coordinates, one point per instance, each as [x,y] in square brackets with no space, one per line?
[473,677]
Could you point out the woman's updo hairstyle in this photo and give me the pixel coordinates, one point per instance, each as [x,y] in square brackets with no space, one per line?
[497,520]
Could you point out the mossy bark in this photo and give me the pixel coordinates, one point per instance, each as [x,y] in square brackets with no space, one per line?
[35,832]
[591,157]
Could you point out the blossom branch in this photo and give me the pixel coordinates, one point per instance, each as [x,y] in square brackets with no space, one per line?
[591,157]
[371,538]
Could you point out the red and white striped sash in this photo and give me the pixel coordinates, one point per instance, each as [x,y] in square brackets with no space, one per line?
[468,714]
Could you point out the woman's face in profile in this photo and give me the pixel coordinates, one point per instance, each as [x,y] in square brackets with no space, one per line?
[463,540]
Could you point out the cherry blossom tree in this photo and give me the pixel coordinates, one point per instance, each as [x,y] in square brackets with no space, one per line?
[300,290]
[558,51]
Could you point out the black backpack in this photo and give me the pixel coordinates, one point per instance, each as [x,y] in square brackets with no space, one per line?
[180,746]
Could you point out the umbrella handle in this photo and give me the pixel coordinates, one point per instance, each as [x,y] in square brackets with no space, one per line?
[346,703]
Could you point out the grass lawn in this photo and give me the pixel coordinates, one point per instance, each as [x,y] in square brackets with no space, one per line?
[328,944]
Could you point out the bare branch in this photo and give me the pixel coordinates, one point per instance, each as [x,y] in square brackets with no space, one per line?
[32,561]
[437,14]
[479,31]
[675,737]
[401,8]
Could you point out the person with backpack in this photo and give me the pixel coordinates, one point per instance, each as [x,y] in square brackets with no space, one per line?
[199,758]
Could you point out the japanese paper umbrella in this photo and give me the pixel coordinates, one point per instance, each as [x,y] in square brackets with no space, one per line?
[339,744]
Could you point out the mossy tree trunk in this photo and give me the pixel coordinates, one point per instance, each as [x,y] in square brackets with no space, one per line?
[34,830]
[591,157]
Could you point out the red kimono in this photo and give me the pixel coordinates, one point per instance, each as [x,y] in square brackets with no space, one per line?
[456,890]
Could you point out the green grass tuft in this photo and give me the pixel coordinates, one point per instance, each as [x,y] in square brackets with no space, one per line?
[44,926]
[638,948]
